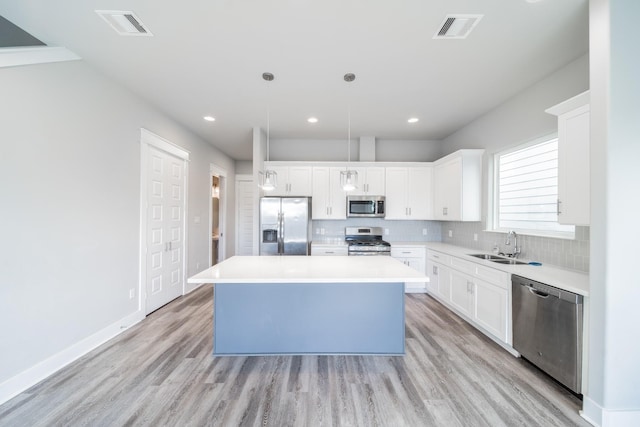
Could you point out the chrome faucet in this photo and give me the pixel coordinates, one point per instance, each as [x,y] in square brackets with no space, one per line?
[516,250]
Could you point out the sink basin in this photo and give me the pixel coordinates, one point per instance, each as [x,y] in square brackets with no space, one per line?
[508,261]
[498,259]
[487,256]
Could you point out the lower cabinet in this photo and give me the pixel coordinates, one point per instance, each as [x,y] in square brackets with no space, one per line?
[328,249]
[477,293]
[415,257]
[462,294]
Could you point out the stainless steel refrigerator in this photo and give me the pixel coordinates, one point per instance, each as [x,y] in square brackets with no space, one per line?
[285,225]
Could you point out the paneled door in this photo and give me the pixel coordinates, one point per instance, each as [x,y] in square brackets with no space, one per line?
[165,222]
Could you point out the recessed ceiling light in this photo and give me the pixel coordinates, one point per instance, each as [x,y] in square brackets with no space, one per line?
[413,120]
[209,118]
[312,120]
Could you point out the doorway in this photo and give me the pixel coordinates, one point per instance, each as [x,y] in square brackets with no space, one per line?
[217,215]
[164,168]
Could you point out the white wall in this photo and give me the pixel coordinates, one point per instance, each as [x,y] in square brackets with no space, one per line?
[522,118]
[70,185]
[330,150]
[612,398]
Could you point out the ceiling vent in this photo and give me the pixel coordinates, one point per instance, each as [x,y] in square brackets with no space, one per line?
[125,23]
[457,26]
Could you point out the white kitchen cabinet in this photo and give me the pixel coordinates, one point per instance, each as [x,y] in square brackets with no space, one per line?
[414,256]
[457,183]
[462,292]
[293,181]
[479,294]
[328,199]
[439,275]
[408,192]
[326,249]
[573,159]
[490,308]
[371,181]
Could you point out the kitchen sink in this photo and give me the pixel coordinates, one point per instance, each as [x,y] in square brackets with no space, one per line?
[487,256]
[498,259]
[509,261]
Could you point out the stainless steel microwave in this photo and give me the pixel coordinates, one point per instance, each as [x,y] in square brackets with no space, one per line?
[365,206]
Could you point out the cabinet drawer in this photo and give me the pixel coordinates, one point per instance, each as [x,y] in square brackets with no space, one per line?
[329,250]
[494,276]
[407,252]
[438,257]
[462,265]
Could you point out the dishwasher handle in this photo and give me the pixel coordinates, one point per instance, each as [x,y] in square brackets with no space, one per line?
[537,292]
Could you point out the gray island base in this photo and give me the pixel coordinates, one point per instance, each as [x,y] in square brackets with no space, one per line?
[303,305]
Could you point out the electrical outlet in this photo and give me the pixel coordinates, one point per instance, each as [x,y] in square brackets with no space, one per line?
[450,233]
[475,237]
[424,231]
[322,231]
[317,231]
[386,231]
[132,293]
[196,219]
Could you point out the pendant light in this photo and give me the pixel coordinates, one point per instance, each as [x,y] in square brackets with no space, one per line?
[268,177]
[349,177]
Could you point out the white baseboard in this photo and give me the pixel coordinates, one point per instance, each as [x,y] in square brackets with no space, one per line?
[21,382]
[603,417]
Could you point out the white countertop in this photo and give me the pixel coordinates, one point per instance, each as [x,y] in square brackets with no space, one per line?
[568,280]
[309,269]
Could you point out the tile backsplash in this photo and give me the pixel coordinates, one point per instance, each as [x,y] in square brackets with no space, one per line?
[570,254]
[399,231]
[563,253]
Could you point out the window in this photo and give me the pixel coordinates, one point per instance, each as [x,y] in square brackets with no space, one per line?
[526,190]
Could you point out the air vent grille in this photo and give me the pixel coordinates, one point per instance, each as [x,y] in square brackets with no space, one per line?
[457,26]
[125,23]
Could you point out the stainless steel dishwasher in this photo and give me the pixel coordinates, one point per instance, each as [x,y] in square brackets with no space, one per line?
[547,329]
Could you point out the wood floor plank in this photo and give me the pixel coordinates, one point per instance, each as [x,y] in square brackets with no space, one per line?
[162,372]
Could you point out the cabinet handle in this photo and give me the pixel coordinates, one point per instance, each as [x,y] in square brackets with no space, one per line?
[329,252]
[435,270]
[406,252]
[558,207]
[435,256]
[445,211]
[409,211]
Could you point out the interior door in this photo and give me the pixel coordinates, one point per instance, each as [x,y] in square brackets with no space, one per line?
[165,246]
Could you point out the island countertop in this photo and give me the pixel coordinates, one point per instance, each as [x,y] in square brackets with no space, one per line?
[309,269]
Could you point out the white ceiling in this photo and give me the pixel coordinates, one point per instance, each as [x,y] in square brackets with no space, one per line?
[207,57]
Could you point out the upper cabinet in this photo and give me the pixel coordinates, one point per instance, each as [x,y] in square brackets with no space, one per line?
[408,192]
[329,200]
[457,183]
[371,181]
[292,180]
[573,159]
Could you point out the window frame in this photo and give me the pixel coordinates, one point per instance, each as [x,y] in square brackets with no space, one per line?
[494,200]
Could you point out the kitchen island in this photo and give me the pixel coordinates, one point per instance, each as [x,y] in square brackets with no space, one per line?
[308,305]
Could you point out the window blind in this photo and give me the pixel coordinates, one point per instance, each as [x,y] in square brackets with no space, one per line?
[527,188]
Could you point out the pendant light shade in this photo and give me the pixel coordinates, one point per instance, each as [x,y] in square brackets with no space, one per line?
[349,177]
[268,177]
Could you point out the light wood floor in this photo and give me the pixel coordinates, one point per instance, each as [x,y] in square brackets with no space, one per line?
[161,372]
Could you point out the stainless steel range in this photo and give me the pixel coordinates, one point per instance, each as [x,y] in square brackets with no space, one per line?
[364,241]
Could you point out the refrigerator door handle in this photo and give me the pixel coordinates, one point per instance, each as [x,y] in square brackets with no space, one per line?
[281,230]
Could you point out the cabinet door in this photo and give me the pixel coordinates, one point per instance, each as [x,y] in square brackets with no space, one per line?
[490,310]
[320,197]
[419,183]
[396,193]
[299,181]
[573,166]
[282,177]
[448,190]
[328,200]
[461,292]
[444,282]
[375,183]
[434,277]
[337,196]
